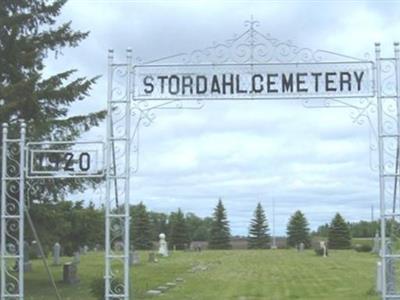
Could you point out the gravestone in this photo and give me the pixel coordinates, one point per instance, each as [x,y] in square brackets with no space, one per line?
[85,249]
[35,247]
[56,254]
[322,244]
[27,263]
[163,249]
[377,242]
[134,258]
[152,257]
[301,247]
[77,258]
[70,273]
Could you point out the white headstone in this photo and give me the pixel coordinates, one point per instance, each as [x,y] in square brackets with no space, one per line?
[301,247]
[163,249]
[376,247]
[56,254]
[323,247]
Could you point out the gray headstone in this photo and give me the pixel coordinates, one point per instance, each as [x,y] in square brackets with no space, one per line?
[26,252]
[152,257]
[77,258]
[70,273]
[85,249]
[377,242]
[56,254]
[134,258]
[153,293]
[27,263]
[36,248]
[301,247]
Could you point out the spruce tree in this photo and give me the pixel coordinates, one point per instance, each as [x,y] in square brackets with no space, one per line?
[29,35]
[298,231]
[258,232]
[141,227]
[178,236]
[339,236]
[220,232]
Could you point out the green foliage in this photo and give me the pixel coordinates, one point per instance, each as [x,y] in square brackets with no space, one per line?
[29,34]
[298,231]
[97,287]
[319,251]
[322,231]
[141,227]
[158,224]
[178,235]
[69,223]
[258,232]
[220,232]
[339,236]
[363,248]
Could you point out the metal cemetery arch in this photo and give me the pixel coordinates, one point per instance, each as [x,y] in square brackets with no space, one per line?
[249,66]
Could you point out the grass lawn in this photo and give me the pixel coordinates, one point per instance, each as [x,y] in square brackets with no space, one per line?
[220,275]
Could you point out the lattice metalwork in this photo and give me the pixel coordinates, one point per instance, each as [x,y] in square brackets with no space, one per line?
[12,215]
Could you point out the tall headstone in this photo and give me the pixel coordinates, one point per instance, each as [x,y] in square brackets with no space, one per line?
[36,248]
[77,258]
[27,263]
[56,254]
[133,258]
[322,244]
[377,242]
[163,249]
[301,247]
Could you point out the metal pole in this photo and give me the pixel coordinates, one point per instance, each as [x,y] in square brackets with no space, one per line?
[3,211]
[127,172]
[397,57]
[107,245]
[273,225]
[381,167]
[21,207]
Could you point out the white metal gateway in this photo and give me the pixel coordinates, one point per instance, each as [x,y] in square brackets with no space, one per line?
[250,66]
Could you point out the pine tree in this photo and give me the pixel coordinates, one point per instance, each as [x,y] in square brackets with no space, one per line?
[339,236]
[298,231]
[220,232]
[141,228]
[178,236]
[28,35]
[258,232]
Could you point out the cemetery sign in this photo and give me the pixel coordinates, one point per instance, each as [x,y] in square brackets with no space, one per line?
[254,81]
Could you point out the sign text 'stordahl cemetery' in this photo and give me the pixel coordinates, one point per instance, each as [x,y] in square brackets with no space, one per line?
[261,81]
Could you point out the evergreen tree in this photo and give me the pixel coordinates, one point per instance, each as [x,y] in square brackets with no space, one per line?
[220,232]
[178,236]
[298,231]
[258,232]
[339,236]
[141,228]
[28,35]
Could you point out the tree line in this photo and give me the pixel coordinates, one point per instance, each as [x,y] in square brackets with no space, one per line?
[73,225]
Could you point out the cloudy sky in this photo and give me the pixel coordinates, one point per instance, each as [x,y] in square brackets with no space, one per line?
[245,152]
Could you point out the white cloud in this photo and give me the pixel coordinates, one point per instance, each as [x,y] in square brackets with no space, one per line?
[314,160]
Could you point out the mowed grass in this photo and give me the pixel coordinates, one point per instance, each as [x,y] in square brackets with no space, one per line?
[219,275]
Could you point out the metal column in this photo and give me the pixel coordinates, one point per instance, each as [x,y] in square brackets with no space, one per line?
[118,179]
[12,215]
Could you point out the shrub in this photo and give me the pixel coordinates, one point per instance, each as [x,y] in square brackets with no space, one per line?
[319,251]
[363,248]
[97,287]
